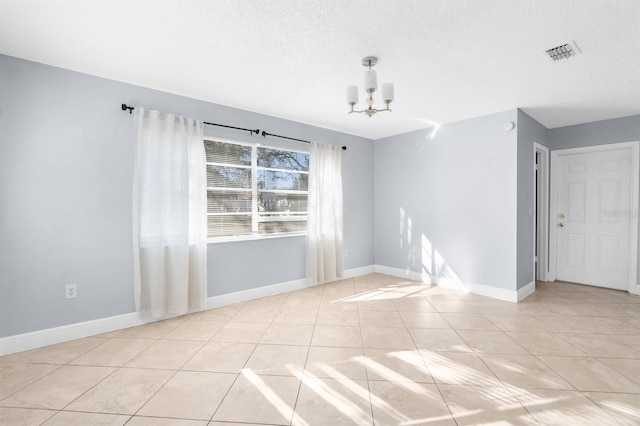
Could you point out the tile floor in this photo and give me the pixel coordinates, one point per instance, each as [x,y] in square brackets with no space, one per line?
[369,350]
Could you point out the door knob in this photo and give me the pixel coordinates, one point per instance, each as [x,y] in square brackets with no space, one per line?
[561,225]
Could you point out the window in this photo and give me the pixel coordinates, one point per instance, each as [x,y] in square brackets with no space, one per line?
[255,190]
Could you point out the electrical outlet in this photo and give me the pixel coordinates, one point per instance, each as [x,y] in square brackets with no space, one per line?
[70,291]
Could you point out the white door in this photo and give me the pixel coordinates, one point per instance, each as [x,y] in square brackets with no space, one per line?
[594,221]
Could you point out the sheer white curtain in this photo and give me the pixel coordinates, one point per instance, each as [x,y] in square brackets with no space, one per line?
[170,215]
[325,245]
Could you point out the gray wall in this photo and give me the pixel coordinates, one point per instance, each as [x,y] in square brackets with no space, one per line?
[66,153]
[623,129]
[529,131]
[446,202]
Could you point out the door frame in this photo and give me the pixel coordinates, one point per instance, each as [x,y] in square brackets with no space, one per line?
[541,235]
[634,146]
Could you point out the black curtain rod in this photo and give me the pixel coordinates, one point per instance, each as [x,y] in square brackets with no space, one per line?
[125,107]
[265,134]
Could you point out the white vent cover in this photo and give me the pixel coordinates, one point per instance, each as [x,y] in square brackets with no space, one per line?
[564,51]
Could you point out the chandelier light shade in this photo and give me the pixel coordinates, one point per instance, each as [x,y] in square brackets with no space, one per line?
[370,86]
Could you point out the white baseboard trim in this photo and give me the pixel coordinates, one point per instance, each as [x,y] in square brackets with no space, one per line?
[480,289]
[50,336]
[526,291]
[635,290]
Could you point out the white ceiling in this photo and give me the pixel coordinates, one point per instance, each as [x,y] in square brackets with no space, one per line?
[449,59]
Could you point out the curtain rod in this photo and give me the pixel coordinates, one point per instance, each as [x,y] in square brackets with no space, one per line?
[125,107]
[265,134]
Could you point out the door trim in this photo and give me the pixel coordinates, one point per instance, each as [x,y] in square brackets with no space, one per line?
[543,244]
[634,146]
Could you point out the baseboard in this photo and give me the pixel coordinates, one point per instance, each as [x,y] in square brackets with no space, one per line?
[526,291]
[467,287]
[50,336]
[635,290]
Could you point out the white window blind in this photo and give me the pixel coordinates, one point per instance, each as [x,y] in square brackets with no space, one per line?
[255,190]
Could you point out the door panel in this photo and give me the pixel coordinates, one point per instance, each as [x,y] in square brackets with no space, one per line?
[593,234]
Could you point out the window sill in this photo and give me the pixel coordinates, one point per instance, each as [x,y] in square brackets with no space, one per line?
[252,237]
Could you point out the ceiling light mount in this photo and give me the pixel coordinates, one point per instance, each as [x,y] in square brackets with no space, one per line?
[370,85]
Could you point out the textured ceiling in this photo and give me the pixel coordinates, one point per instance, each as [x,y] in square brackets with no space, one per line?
[449,59]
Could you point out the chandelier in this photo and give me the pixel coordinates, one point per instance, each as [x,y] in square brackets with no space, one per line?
[370,85]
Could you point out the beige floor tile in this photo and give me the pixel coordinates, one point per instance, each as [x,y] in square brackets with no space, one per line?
[337,363]
[241,332]
[296,316]
[260,399]
[438,340]
[387,338]
[456,368]
[123,392]
[468,322]
[195,330]
[629,340]
[58,388]
[153,330]
[70,418]
[255,315]
[380,319]
[338,317]
[349,303]
[189,395]
[598,345]
[424,320]
[408,403]
[302,302]
[114,352]
[626,367]
[545,344]
[589,374]
[485,405]
[396,365]
[17,376]
[454,306]
[339,336]
[332,402]
[23,416]
[288,334]
[156,421]
[277,360]
[220,357]
[165,355]
[236,424]
[572,309]
[623,407]
[562,324]
[494,307]
[376,303]
[418,304]
[618,309]
[218,314]
[58,354]
[562,408]
[528,323]
[491,342]
[269,302]
[524,371]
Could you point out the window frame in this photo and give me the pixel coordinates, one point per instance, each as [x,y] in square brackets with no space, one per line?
[255,214]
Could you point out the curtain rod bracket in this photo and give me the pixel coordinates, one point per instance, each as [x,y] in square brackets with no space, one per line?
[125,107]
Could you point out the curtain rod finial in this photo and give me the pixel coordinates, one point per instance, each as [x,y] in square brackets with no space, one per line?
[124,107]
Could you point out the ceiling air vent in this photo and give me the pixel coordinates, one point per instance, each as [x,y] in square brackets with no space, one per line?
[564,51]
